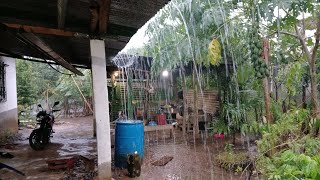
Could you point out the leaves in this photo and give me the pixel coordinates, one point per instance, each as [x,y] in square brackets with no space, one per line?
[295,155]
[35,80]
[181,31]
[214,52]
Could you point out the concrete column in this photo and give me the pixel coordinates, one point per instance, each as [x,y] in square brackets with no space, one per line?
[101,108]
[94,133]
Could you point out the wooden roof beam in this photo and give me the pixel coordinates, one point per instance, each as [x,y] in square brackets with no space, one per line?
[104,12]
[62,11]
[44,30]
[59,32]
[94,16]
[50,52]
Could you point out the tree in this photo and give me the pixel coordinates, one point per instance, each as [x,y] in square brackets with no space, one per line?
[68,90]
[26,88]
[290,23]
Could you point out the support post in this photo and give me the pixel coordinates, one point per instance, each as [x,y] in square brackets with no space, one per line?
[104,12]
[101,108]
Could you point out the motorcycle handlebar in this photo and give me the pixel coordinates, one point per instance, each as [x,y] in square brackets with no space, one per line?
[56,110]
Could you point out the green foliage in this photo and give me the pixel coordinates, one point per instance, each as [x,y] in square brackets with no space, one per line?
[182,41]
[291,165]
[186,81]
[289,124]
[36,81]
[67,87]
[26,89]
[229,160]
[256,49]
[228,148]
[276,109]
[235,115]
[219,127]
[207,80]
[7,137]
[245,73]
[293,154]
[181,32]
[293,9]
[293,75]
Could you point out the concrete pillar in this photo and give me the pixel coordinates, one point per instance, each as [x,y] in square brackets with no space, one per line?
[8,107]
[101,108]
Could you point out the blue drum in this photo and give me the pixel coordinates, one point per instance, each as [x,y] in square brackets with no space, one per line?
[129,138]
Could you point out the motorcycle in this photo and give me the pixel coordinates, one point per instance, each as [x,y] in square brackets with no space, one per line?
[40,136]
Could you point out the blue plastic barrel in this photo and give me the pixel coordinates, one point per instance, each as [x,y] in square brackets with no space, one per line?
[129,138]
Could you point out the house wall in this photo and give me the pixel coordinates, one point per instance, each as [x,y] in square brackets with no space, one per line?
[8,109]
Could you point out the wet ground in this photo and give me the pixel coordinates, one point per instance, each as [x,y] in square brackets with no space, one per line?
[74,137]
[71,137]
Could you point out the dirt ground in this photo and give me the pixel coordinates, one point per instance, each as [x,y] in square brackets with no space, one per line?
[75,137]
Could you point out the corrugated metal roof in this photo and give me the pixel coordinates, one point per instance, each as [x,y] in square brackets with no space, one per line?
[126,17]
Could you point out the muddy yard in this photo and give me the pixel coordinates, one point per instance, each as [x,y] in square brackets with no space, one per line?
[74,137]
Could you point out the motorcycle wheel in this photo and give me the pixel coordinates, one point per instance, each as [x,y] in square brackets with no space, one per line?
[36,141]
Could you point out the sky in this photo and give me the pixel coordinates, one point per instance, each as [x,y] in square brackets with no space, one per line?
[138,39]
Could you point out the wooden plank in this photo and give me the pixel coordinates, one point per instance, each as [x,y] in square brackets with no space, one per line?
[42,30]
[208,101]
[158,127]
[104,12]
[62,10]
[94,16]
[47,50]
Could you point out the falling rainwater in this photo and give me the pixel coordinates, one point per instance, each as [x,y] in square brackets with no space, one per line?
[185,49]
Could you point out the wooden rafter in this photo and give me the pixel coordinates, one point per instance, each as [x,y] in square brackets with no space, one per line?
[62,10]
[41,30]
[50,52]
[59,32]
[94,16]
[104,12]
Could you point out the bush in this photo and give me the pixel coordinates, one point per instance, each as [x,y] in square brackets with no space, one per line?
[286,152]
[7,137]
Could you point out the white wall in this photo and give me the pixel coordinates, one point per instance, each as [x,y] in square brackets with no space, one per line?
[8,109]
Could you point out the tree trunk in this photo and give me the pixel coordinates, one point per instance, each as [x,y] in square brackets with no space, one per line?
[256,114]
[195,101]
[314,92]
[312,65]
[265,82]
[185,105]
[284,107]
[185,109]
[146,99]
[313,74]
[304,97]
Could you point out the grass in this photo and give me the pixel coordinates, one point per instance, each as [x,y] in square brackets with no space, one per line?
[233,161]
[7,137]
